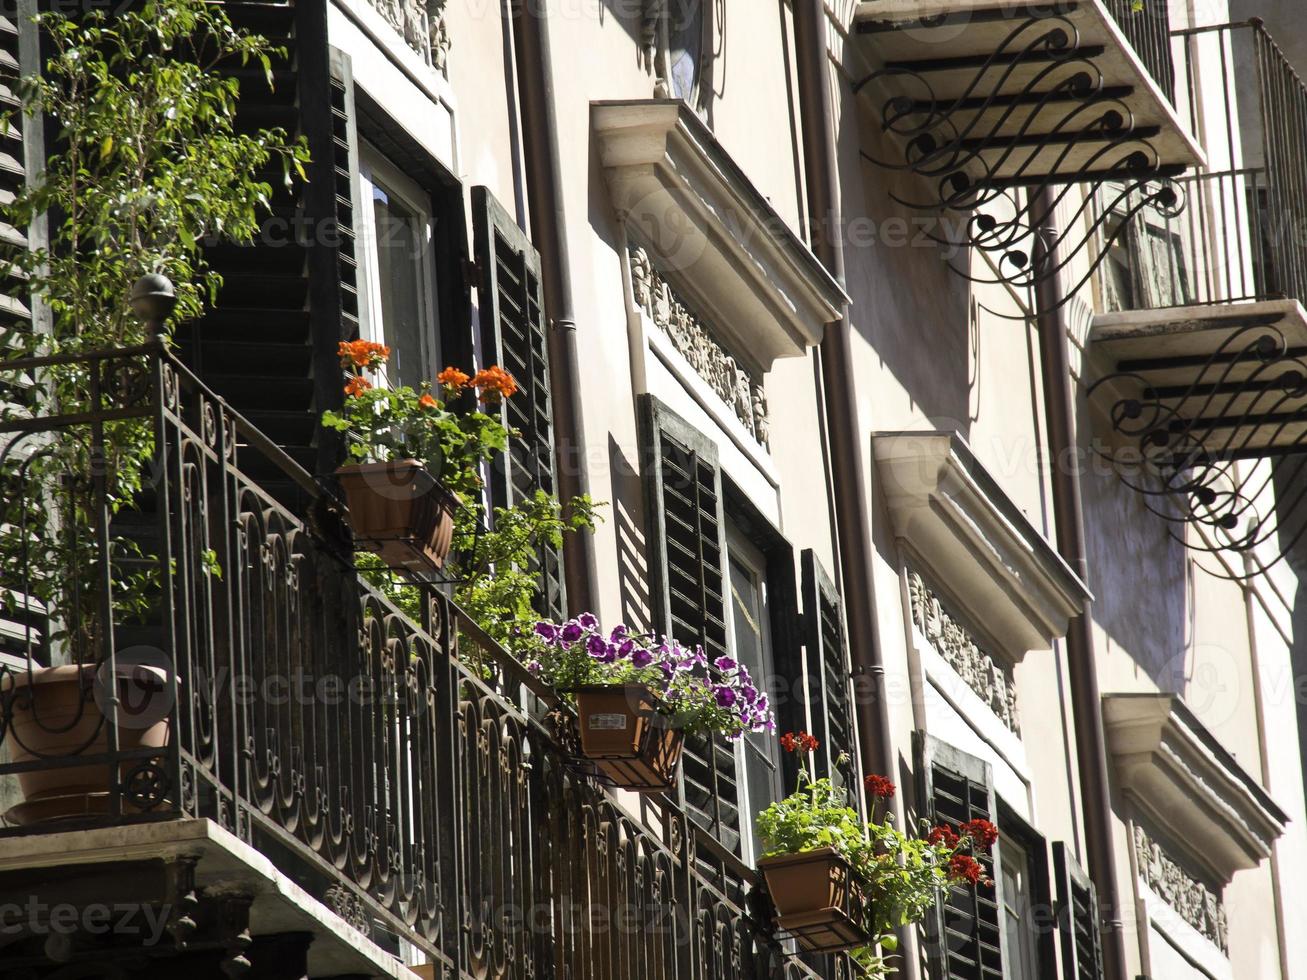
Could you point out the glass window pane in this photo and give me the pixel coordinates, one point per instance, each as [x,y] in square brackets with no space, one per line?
[400,268]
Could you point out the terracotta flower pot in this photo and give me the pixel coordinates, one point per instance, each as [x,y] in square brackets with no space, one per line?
[55,715]
[400,512]
[628,738]
[816,899]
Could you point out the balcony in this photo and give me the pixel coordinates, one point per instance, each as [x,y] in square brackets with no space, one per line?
[340,780]
[1198,346]
[991,103]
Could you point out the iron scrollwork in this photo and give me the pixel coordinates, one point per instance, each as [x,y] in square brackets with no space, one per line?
[988,169]
[1186,446]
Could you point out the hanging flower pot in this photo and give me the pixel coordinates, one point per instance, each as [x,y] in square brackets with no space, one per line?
[52,713]
[638,696]
[626,735]
[400,512]
[817,900]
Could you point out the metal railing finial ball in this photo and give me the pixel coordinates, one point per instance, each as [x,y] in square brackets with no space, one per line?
[153,299]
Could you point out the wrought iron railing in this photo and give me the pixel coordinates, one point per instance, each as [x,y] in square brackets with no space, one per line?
[1240,236]
[1147,26]
[411,762]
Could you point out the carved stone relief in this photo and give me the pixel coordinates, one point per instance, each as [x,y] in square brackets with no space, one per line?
[421,23]
[991,681]
[693,339]
[1197,904]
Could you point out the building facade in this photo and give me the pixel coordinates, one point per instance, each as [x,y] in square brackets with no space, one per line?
[937,359]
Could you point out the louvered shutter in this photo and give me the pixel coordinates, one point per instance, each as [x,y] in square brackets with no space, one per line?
[827,665]
[1077,918]
[965,936]
[21,619]
[514,335]
[269,344]
[686,548]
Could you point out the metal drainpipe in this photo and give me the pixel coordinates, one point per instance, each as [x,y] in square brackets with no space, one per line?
[1068,513]
[852,519]
[548,233]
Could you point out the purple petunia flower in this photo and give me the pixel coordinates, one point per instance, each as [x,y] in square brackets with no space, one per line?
[596,646]
[725,696]
[587,620]
[724,663]
[642,658]
[624,648]
[547,632]
[571,632]
[749,693]
[619,632]
[534,667]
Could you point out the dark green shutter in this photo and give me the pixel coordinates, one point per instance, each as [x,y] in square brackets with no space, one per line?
[20,619]
[965,935]
[686,547]
[827,664]
[514,334]
[269,343]
[1077,918]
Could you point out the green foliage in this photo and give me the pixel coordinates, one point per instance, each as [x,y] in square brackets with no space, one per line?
[901,877]
[148,168]
[383,423]
[497,569]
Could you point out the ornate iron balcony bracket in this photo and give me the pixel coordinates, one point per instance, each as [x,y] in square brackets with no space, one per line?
[1186,428]
[991,108]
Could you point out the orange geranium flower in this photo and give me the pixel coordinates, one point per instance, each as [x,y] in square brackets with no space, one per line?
[362,353]
[452,378]
[494,382]
[356,385]
[426,401]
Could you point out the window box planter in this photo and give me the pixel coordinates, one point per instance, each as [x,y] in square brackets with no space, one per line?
[816,899]
[399,512]
[627,737]
[52,715]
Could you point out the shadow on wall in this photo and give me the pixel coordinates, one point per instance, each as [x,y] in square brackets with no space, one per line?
[1293,538]
[1138,572]
[627,495]
[908,305]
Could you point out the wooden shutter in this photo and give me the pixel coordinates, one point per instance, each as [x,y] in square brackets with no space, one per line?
[21,618]
[1077,918]
[827,665]
[965,936]
[269,343]
[687,579]
[514,335]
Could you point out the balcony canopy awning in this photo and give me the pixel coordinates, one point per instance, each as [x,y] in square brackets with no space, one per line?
[976,542]
[1178,774]
[704,222]
[1021,95]
[1219,382]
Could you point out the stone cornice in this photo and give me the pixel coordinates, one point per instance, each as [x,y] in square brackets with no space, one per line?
[736,259]
[1177,773]
[977,544]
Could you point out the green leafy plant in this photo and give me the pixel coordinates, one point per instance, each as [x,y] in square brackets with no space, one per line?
[492,562]
[700,696]
[900,877]
[148,167]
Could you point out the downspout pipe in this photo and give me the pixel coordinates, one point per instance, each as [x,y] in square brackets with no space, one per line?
[539,120]
[1068,514]
[852,514]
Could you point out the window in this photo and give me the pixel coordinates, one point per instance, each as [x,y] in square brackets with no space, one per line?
[400,276]
[1019,926]
[685,32]
[749,637]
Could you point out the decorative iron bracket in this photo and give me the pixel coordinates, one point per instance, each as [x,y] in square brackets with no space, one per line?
[992,108]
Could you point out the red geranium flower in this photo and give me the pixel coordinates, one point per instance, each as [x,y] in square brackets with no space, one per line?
[982,833]
[943,835]
[801,743]
[879,786]
[963,867]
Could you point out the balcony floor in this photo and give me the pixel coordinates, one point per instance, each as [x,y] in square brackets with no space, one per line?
[1038,138]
